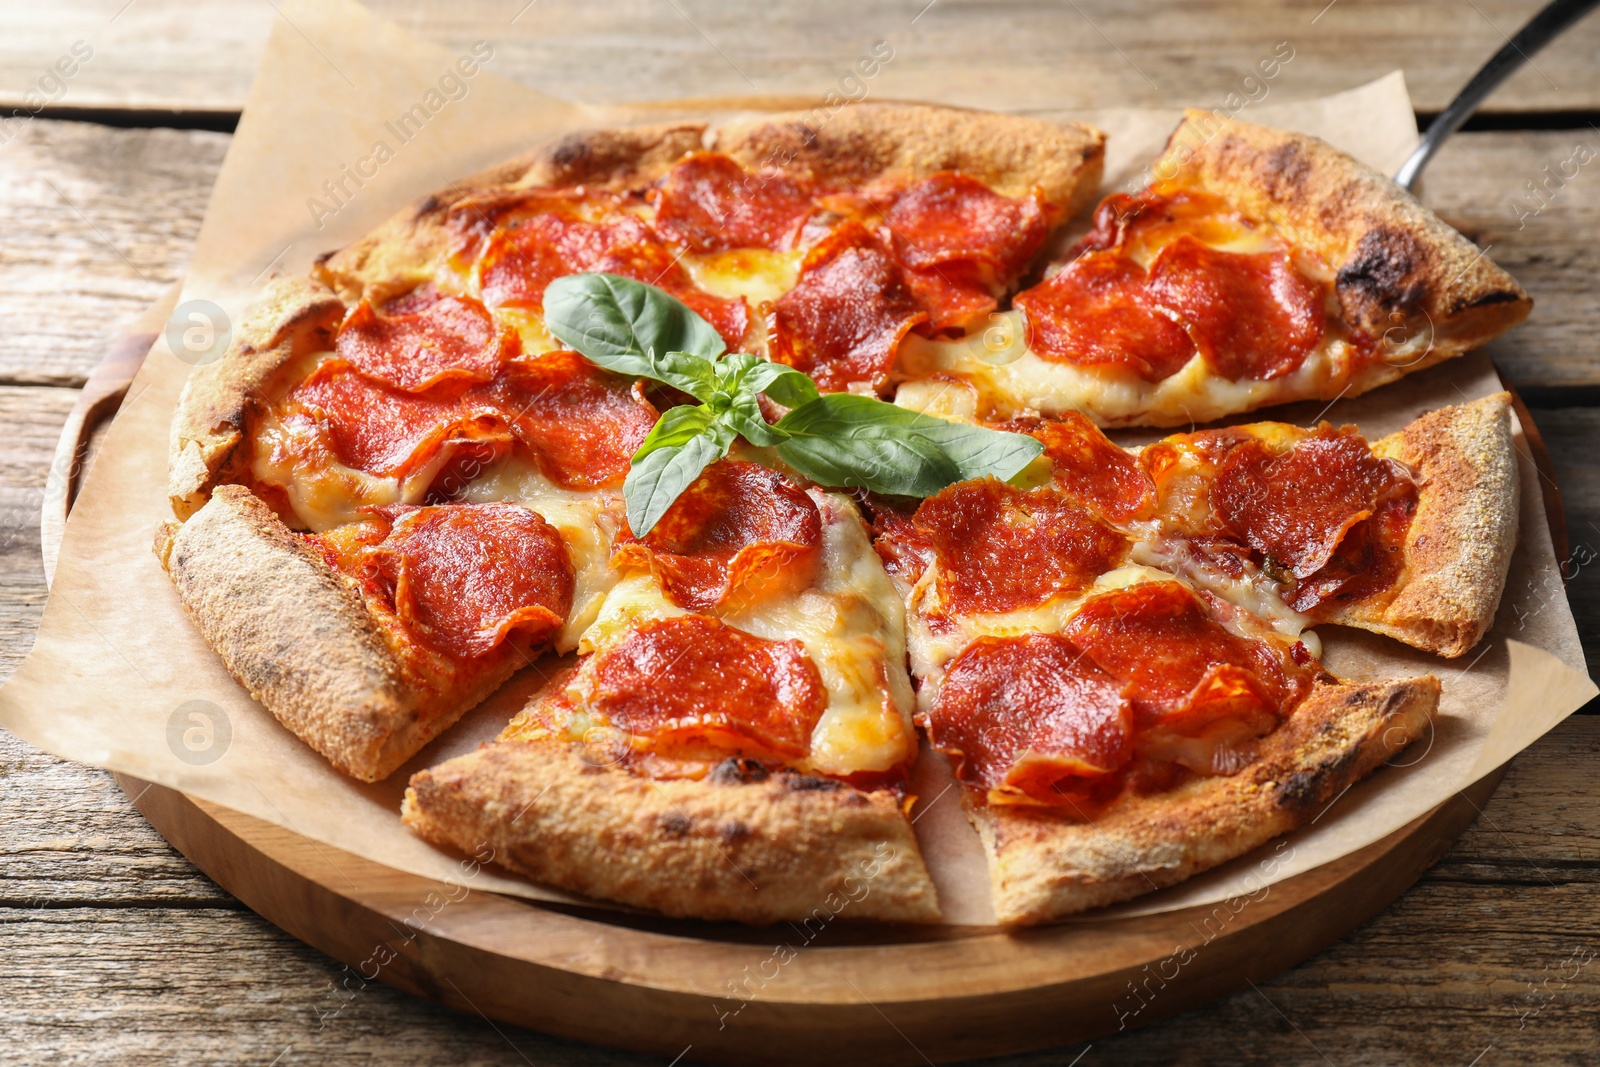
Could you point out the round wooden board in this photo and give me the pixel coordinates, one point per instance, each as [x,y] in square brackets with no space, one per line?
[791,993]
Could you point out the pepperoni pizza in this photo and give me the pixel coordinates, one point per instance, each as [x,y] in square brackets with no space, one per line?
[1258,267]
[1117,660]
[410,477]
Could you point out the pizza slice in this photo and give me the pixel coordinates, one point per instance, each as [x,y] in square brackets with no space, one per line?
[735,740]
[387,514]
[1410,536]
[358,640]
[823,247]
[1258,267]
[1152,737]
[1114,654]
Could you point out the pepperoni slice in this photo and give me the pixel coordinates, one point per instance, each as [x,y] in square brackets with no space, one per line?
[1151,218]
[1112,219]
[954,294]
[694,681]
[534,251]
[1252,315]
[711,203]
[451,338]
[1182,667]
[843,323]
[1367,561]
[464,576]
[1087,465]
[524,258]
[1296,507]
[951,216]
[583,424]
[1098,312]
[373,428]
[906,553]
[1001,548]
[737,534]
[1031,719]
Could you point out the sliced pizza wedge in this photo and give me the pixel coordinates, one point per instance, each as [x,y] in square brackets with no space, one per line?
[1115,728]
[367,641]
[824,247]
[1410,536]
[1258,267]
[734,742]
[410,476]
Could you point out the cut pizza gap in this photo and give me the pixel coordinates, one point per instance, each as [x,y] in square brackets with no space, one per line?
[430,491]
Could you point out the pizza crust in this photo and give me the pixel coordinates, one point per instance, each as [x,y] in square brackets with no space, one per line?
[1012,154]
[405,251]
[1043,868]
[1398,266]
[294,317]
[304,642]
[1459,547]
[782,846]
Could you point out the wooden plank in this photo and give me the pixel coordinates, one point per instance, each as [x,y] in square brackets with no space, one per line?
[32,418]
[200,58]
[94,980]
[97,222]
[1571,434]
[1480,184]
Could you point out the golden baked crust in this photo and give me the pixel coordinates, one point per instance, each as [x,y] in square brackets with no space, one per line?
[294,317]
[404,251]
[306,644]
[1012,154]
[1463,534]
[1401,272]
[756,850]
[1042,867]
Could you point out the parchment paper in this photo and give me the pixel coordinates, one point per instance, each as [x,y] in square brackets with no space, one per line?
[120,679]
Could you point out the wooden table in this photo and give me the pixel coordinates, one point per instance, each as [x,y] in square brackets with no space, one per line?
[113,949]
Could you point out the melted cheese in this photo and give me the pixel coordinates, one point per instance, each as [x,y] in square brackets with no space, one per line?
[756,274]
[331,494]
[588,522]
[1012,379]
[1255,592]
[851,624]
[1009,378]
[323,494]
[932,649]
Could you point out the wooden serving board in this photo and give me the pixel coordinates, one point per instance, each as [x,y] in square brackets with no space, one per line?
[789,993]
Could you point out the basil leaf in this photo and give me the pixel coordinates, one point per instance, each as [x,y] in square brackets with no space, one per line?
[744,415]
[786,385]
[624,325]
[847,440]
[741,371]
[676,427]
[684,441]
[655,480]
[695,375]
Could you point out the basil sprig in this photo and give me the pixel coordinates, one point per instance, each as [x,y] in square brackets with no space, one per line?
[837,439]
